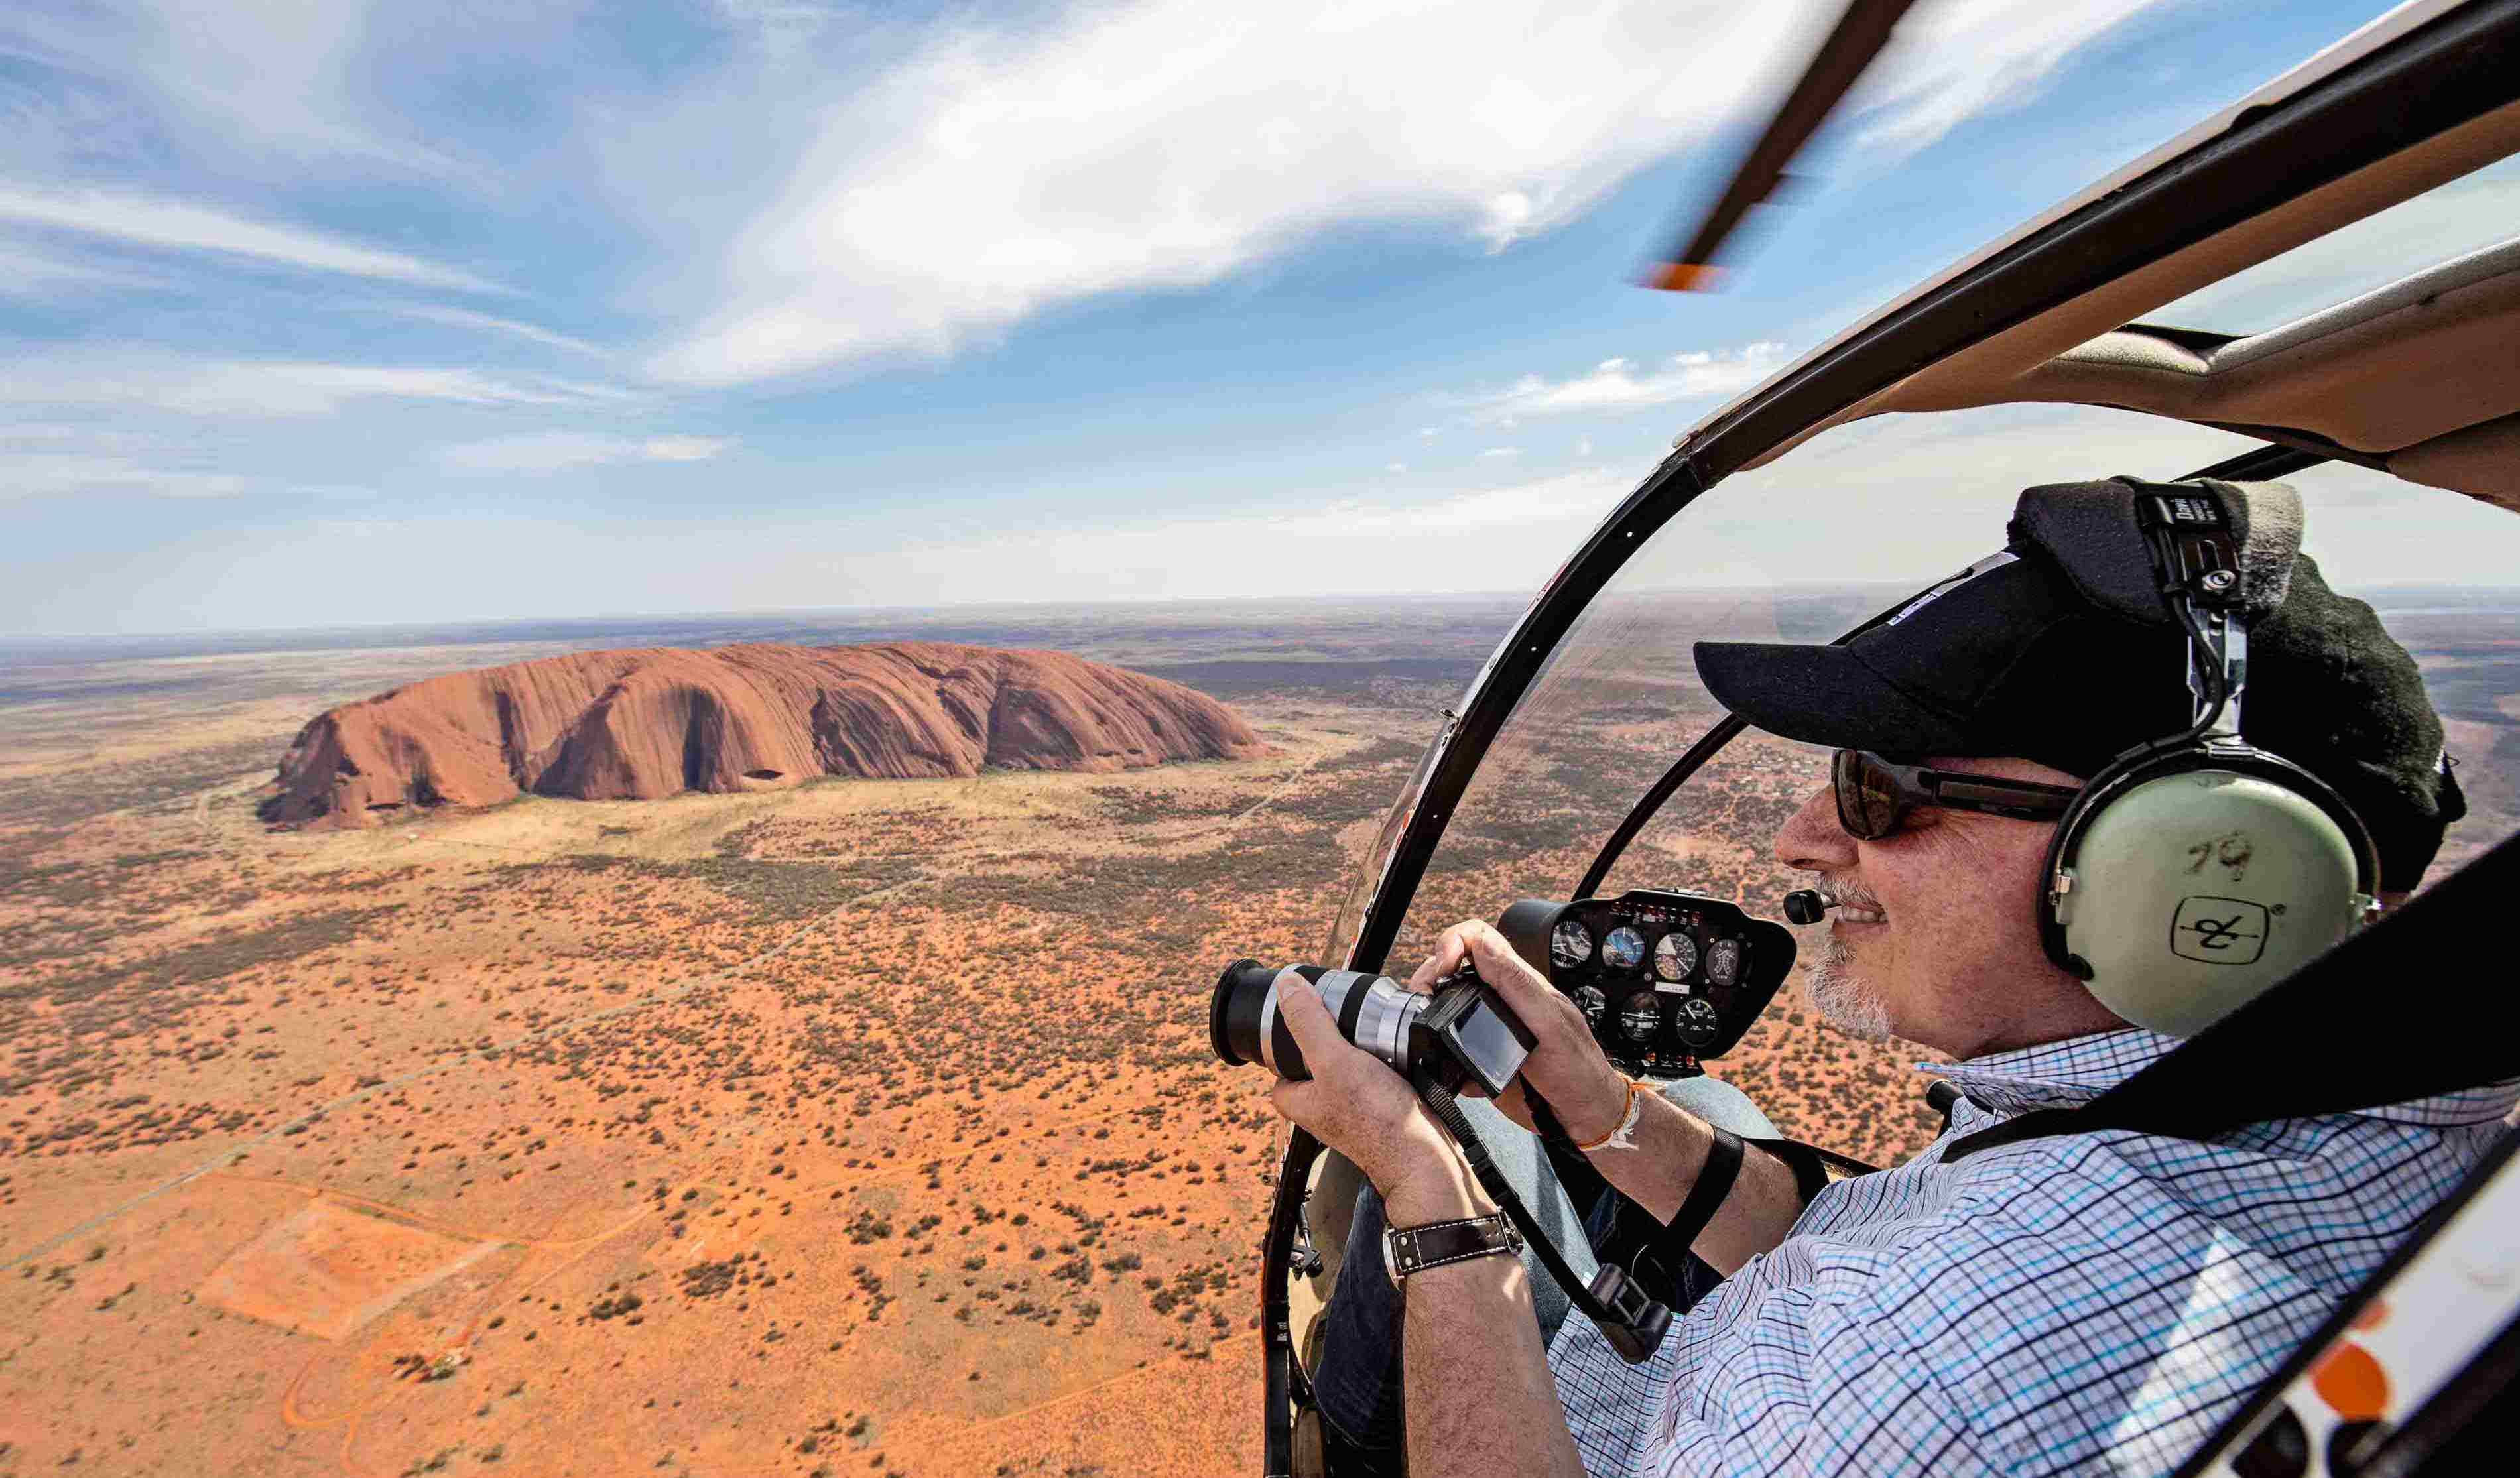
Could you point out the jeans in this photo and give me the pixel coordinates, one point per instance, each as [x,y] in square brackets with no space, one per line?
[1358,1381]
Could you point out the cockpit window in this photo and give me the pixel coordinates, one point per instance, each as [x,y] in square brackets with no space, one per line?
[2467,214]
[1805,547]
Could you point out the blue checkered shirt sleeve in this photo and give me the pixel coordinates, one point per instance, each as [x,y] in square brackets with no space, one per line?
[1783,1375]
[2091,1304]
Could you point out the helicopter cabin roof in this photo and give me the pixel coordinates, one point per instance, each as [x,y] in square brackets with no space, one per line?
[2419,377]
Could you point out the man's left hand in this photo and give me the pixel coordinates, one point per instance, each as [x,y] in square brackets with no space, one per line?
[1360,1107]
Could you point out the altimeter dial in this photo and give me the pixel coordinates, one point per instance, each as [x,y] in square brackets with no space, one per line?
[1697,1021]
[1570,944]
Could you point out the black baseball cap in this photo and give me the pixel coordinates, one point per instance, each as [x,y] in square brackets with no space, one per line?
[2009,657]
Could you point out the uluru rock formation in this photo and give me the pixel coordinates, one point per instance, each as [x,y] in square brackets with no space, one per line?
[651,722]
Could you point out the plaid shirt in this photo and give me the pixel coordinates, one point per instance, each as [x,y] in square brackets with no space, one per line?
[2092,1303]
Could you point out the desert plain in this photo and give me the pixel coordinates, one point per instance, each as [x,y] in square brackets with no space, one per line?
[855,1127]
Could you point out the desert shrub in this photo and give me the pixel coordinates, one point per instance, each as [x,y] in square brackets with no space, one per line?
[709,1279]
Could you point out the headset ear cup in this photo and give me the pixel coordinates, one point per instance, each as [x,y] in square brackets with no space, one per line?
[2056,880]
[2186,880]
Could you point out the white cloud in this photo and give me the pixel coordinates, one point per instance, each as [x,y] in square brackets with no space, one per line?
[24,434]
[53,475]
[1618,384]
[1395,467]
[558,451]
[466,318]
[1899,500]
[175,225]
[249,78]
[781,30]
[259,388]
[29,270]
[1503,538]
[1570,500]
[683,448]
[1501,451]
[289,70]
[1902,498]
[1166,144]
[517,562]
[1938,69]
[117,455]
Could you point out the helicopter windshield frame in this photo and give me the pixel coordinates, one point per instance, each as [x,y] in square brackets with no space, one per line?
[2294,138]
[2425,87]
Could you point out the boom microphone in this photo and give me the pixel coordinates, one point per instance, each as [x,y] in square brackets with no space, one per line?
[1808,905]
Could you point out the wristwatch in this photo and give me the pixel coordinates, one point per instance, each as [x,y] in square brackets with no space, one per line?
[1411,1249]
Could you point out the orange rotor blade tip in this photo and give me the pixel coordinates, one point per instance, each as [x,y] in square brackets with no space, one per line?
[1686,277]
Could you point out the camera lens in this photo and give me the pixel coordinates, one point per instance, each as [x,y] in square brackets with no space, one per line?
[1373,1011]
[1235,1012]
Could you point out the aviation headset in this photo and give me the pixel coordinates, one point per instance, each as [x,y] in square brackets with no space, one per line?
[2195,871]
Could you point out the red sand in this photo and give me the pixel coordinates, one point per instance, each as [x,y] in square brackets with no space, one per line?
[326,1271]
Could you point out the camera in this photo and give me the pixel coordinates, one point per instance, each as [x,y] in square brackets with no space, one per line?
[1462,1032]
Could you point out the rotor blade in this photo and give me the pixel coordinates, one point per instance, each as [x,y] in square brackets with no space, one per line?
[1859,36]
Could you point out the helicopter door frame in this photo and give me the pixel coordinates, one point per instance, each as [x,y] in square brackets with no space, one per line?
[2443,74]
[2444,70]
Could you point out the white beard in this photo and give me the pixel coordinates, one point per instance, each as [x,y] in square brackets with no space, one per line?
[1841,997]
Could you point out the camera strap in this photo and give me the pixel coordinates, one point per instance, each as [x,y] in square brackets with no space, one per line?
[1706,1195]
[1633,1324]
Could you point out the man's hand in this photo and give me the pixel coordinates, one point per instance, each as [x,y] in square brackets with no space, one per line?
[1567,1065]
[1363,1109]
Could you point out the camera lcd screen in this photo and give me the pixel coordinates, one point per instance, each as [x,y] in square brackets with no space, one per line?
[1489,1046]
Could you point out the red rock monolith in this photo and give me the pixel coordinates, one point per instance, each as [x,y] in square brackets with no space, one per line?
[652,722]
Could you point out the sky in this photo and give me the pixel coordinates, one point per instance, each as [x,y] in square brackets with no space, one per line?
[323,314]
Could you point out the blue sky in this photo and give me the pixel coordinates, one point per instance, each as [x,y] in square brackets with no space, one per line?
[330,313]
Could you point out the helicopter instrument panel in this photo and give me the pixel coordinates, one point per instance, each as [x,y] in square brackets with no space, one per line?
[1665,979]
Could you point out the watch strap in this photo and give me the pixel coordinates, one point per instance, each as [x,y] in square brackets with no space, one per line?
[1414,1250]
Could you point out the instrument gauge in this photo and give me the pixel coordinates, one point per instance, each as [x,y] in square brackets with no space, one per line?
[1624,950]
[1570,944]
[1675,956]
[1697,1021]
[1592,1003]
[1723,961]
[1640,1016]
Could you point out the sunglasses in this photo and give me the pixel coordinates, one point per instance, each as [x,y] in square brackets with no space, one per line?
[1874,795]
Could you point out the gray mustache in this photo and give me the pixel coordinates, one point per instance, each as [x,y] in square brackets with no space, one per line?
[1842,891]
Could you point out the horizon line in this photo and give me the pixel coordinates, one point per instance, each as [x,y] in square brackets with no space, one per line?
[463,623]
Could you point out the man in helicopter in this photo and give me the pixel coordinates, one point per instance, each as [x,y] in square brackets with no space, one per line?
[2079,1302]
